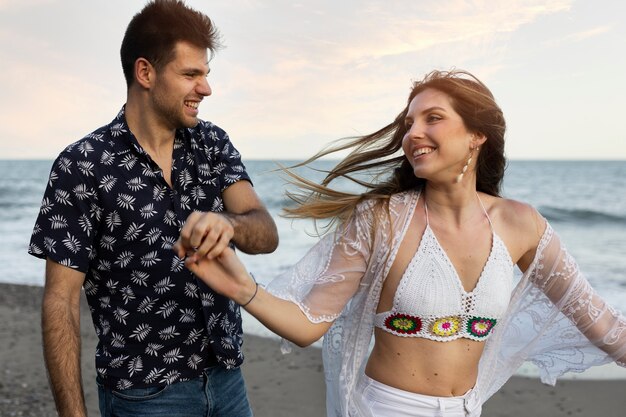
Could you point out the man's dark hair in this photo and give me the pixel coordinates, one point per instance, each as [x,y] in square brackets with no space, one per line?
[154,32]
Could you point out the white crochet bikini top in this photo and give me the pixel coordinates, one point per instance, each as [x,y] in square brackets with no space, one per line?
[430,300]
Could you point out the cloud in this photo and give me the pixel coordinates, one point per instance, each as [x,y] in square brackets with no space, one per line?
[580,36]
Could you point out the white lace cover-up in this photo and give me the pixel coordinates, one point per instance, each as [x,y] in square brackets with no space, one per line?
[554,318]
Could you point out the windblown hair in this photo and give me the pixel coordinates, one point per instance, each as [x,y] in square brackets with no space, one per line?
[154,31]
[379,153]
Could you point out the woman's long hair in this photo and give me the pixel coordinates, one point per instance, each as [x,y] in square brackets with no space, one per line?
[379,153]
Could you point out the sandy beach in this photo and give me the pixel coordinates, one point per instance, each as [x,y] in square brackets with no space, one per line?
[278,385]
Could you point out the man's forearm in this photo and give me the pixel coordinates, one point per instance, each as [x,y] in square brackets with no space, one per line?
[61,345]
[254,231]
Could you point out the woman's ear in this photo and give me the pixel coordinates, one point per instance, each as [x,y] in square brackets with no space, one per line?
[478,139]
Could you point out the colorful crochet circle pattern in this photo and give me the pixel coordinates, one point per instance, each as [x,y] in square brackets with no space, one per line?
[480,326]
[447,326]
[403,323]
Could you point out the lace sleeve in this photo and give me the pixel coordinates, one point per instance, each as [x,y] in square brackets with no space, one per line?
[323,282]
[559,278]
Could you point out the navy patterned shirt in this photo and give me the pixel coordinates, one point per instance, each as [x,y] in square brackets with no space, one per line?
[108,212]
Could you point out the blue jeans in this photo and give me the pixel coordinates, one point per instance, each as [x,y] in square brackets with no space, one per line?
[217,393]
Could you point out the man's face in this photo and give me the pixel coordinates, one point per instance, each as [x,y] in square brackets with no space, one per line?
[180,87]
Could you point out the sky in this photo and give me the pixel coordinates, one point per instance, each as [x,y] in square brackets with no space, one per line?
[296,75]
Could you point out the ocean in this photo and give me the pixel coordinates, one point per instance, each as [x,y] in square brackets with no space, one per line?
[585,202]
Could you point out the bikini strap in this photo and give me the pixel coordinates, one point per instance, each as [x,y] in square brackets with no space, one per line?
[485,211]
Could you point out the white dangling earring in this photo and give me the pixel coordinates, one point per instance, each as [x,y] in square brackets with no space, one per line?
[459,177]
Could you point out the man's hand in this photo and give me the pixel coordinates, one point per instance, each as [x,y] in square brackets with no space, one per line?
[204,235]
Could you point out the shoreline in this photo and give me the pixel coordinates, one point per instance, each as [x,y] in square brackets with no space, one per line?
[278,385]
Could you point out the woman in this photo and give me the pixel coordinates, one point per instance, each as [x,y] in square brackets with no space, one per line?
[424,262]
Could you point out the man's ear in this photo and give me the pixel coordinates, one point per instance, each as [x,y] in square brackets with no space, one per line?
[144,73]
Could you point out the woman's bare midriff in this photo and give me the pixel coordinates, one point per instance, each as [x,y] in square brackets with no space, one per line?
[424,366]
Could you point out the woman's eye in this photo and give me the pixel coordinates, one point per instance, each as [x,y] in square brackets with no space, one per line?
[433,118]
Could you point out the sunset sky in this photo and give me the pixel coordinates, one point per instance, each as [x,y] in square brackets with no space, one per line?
[295,75]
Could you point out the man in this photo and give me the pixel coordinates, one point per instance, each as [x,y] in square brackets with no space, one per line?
[116,203]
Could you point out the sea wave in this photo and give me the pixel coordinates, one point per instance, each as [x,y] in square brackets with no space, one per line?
[563,215]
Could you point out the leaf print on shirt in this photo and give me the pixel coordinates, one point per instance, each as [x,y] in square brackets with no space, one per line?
[113,220]
[124,259]
[170,218]
[35,249]
[68,262]
[117,130]
[167,242]
[204,170]
[150,259]
[193,336]
[163,286]
[193,361]
[153,375]
[184,179]
[135,365]
[49,244]
[128,162]
[212,321]
[120,315]
[46,206]
[146,170]
[231,178]
[187,315]
[167,309]
[217,205]
[152,236]
[52,178]
[133,231]
[191,290]
[105,302]
[170,377]
[127,294]
[65,165]
[146,305]
[172,356]
[63,197]
[177,264]
[168,333]
[158,192]
[139,278]
[153,349]
[136,184]
[141,332]
[90,287]
[58,222]
[118,361]
[107,158]
[86,168]
[107,242]
[126,201]
[147,211]
[103,265]
[85,224]
[227,343]
[82,192]
[198,194]
[208,299]
[184,202]
[71,243]
[112,286]
[95,211]
[117,340]
[123,384]
[107,183]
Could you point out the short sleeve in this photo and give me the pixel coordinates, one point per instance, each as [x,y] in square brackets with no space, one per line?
[69,214]
[327,277]
[227,160]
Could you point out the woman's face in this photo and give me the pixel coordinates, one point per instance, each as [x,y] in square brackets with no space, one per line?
[437,144]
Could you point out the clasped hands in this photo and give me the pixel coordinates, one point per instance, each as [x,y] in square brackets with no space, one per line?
[203,243]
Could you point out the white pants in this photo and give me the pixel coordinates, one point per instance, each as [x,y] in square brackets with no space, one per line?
[375,399]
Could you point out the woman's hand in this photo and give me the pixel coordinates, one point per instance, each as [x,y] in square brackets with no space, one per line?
[225,274]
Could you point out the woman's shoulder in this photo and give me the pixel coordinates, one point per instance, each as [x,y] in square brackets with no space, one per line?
[518,223]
